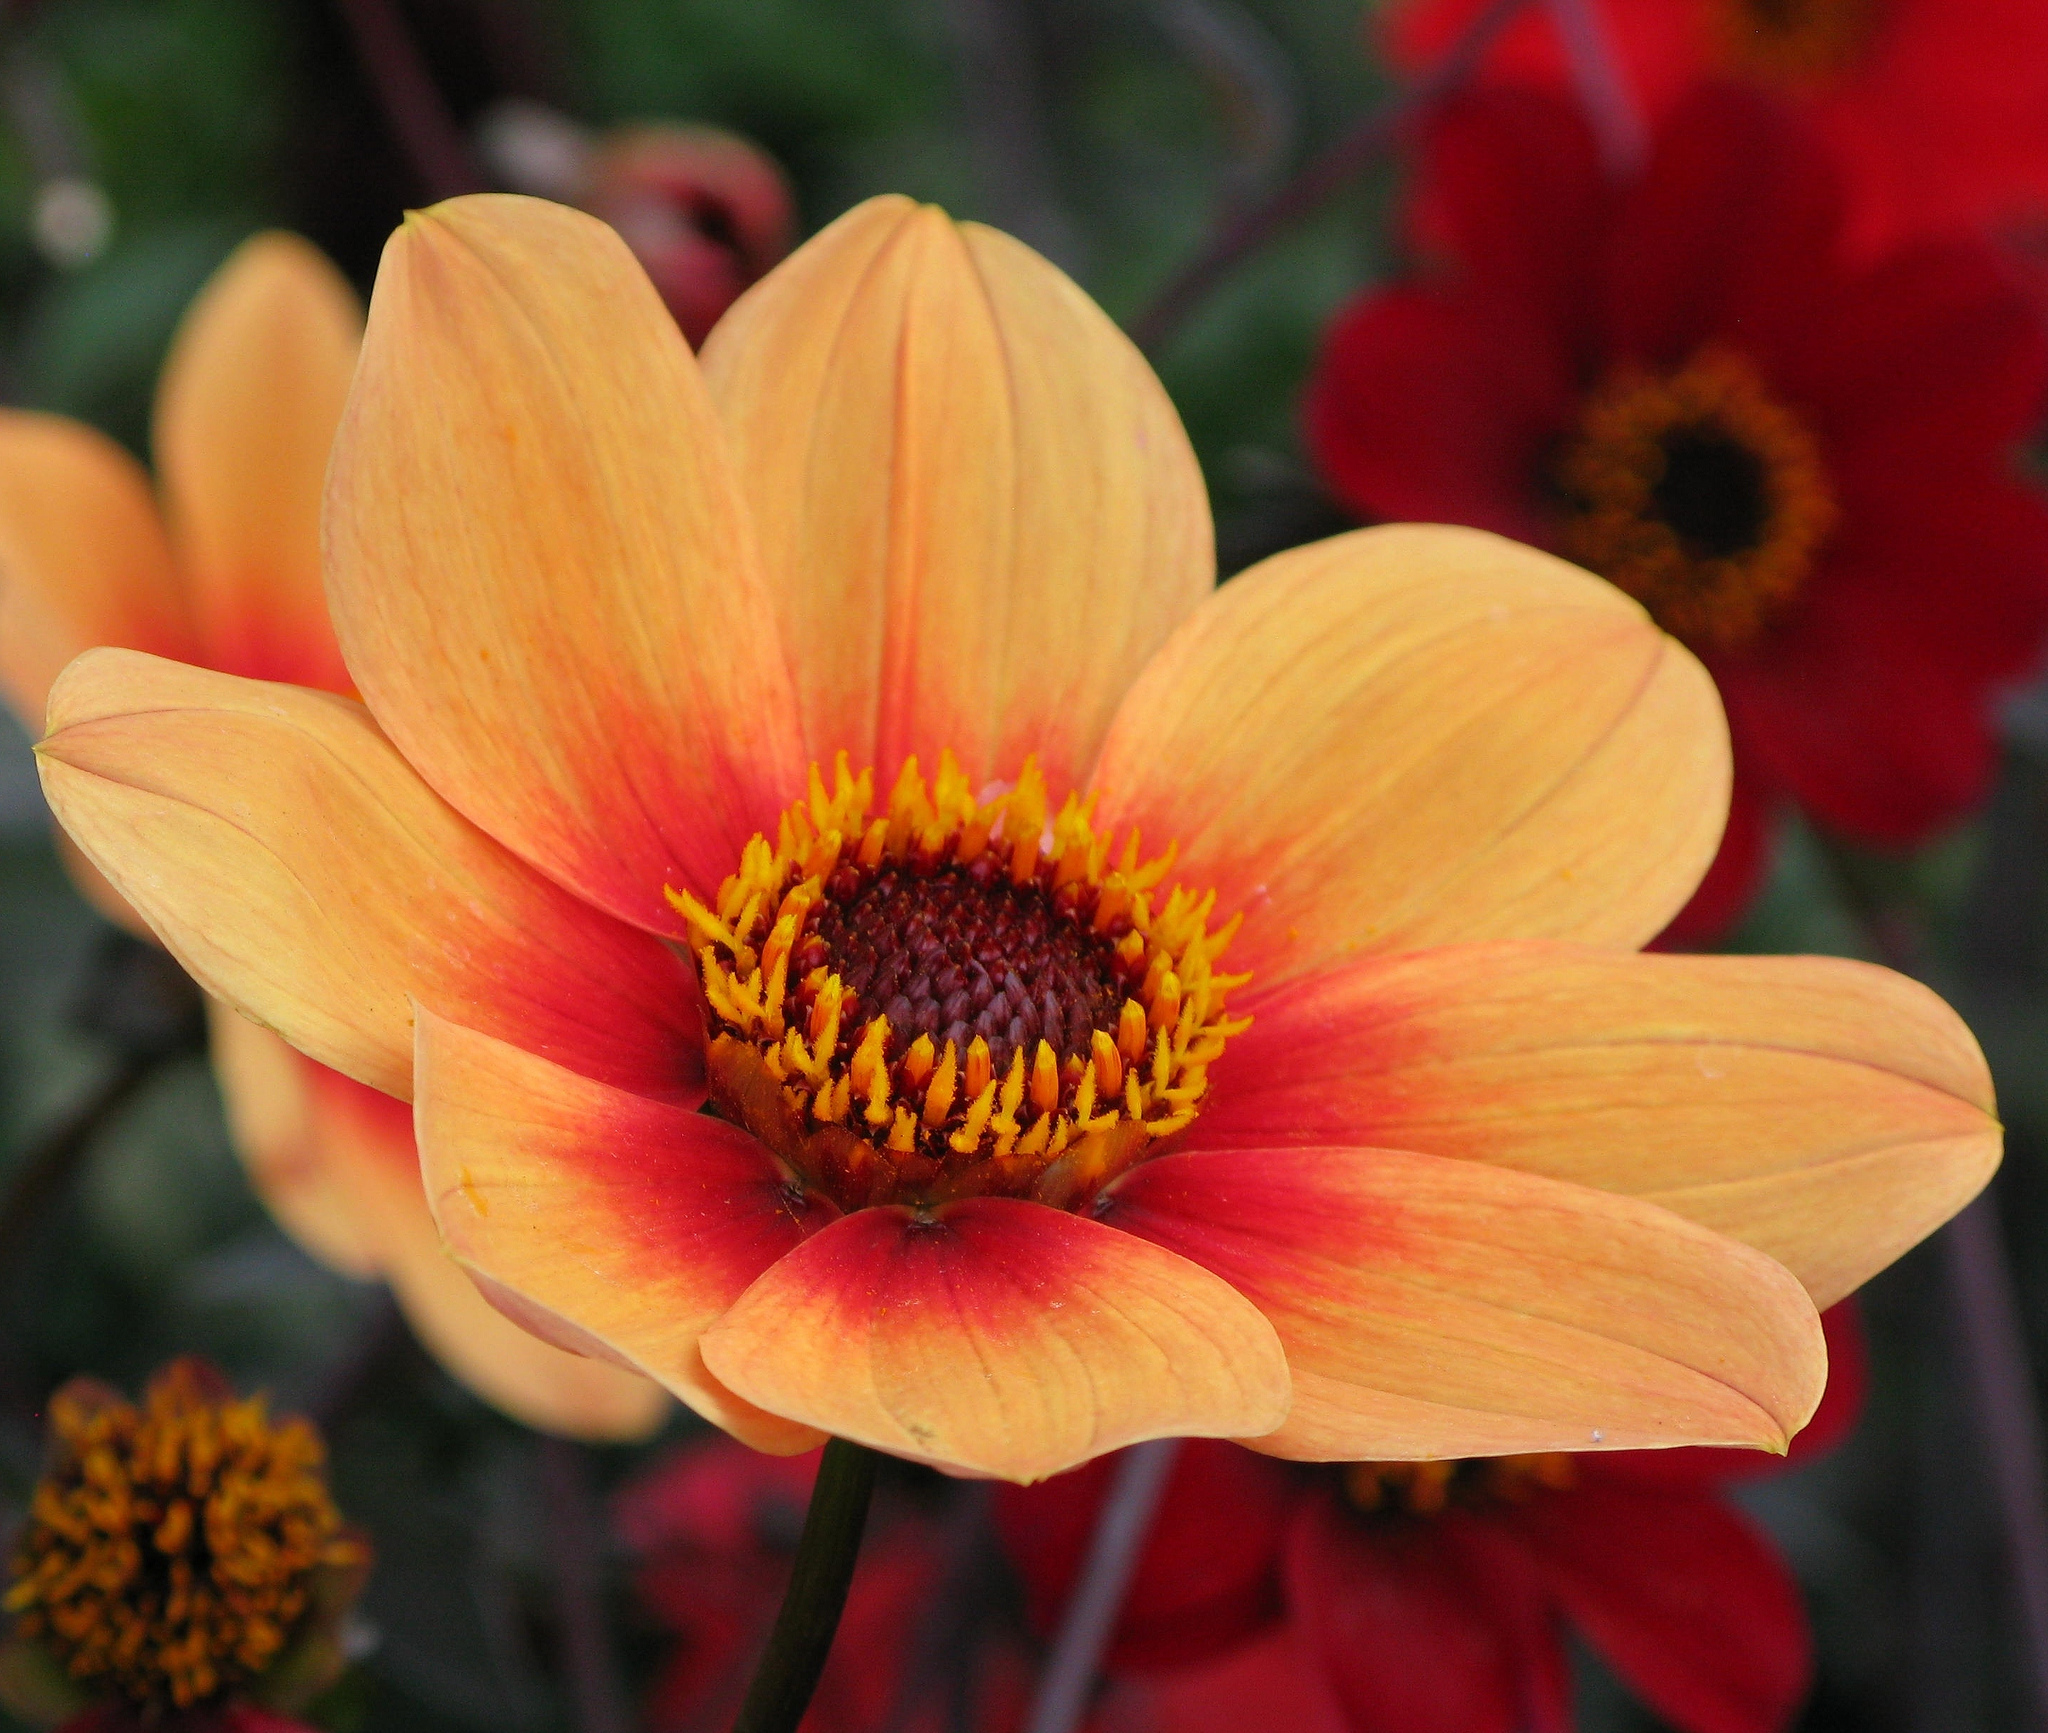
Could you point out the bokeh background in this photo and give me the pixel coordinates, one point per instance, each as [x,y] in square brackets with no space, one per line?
[140,140]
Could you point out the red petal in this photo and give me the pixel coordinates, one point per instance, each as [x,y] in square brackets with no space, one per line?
[1738,872]
[1684,1598]
[1429,407]
[1405,1635]
[1732,233]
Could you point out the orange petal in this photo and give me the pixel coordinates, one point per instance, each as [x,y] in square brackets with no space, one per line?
[976,505]
[1417,736]
[540,565]
[1435,1308]
[293,862]
[268,1092]
[601,1216]
[1828,1113]
[245,415]
[998,1337]
[83,559]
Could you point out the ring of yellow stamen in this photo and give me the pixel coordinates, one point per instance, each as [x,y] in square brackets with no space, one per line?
[170,1552]
[1086,1075]
[1698,494]
[1431,1488]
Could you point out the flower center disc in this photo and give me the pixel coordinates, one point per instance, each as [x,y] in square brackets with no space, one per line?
[952,998]
[1796,41]
[170,1553]
[1698,494]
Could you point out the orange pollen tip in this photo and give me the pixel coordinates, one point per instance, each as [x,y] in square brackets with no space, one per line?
[1698,494]
[979,995]
[1431,1488]
[170,1554]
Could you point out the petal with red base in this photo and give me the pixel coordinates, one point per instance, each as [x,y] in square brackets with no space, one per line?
[1433,1307]
[997,1337]
[601,1220]
[1829,1113]
[296,865]
[1496,746]
[540,565]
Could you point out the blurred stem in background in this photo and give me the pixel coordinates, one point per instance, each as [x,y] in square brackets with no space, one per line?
[420,120]
[1242,233]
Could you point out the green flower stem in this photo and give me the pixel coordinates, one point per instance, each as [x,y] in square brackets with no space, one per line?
[816,1595]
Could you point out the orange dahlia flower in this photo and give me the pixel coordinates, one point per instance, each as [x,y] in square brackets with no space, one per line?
[1130,1009]
[227,576]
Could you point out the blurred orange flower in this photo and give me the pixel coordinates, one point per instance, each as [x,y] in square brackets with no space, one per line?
[226,574]
[1011,1164]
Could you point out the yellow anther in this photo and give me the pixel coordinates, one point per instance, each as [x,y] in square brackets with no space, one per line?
[874,841]
[869,1069]
[1166,1002]
[980,1067]
[1013,1085]
[1084,1096]
[938,1099]
[968,1137]
[903,1134]
[1130,1031]
[917,1062]
[1045,1079]
[1036,1137]
[1108,1064]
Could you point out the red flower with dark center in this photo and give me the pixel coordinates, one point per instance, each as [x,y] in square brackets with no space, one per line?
[1803,468]
[1431,1597]
[1939,108]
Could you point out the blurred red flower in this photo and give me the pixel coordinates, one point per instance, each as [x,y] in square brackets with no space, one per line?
[1431,1597]
[1803,467]
[928,1641]
[1939,108]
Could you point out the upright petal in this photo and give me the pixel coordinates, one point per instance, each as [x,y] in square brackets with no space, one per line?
[540,564]
[1435,1308]
[1826,1112]
[83,559]
[293,862]
[1417,736]
[977,508]
[245,416]
[998,1337]
[598,1218]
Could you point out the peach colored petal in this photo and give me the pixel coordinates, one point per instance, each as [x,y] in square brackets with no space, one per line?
[293,862]
[1829,1113]
[633,1223]
[245,415]
[83,559]
[977,508]
[1435,1308]
[1415,736]
[998,1337]
[540,564]
[267,1090]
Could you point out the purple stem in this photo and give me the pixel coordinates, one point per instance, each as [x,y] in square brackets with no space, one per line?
[1091,1616]
[1604,88]
[425,130]
[1245,232]
[1980,1285]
